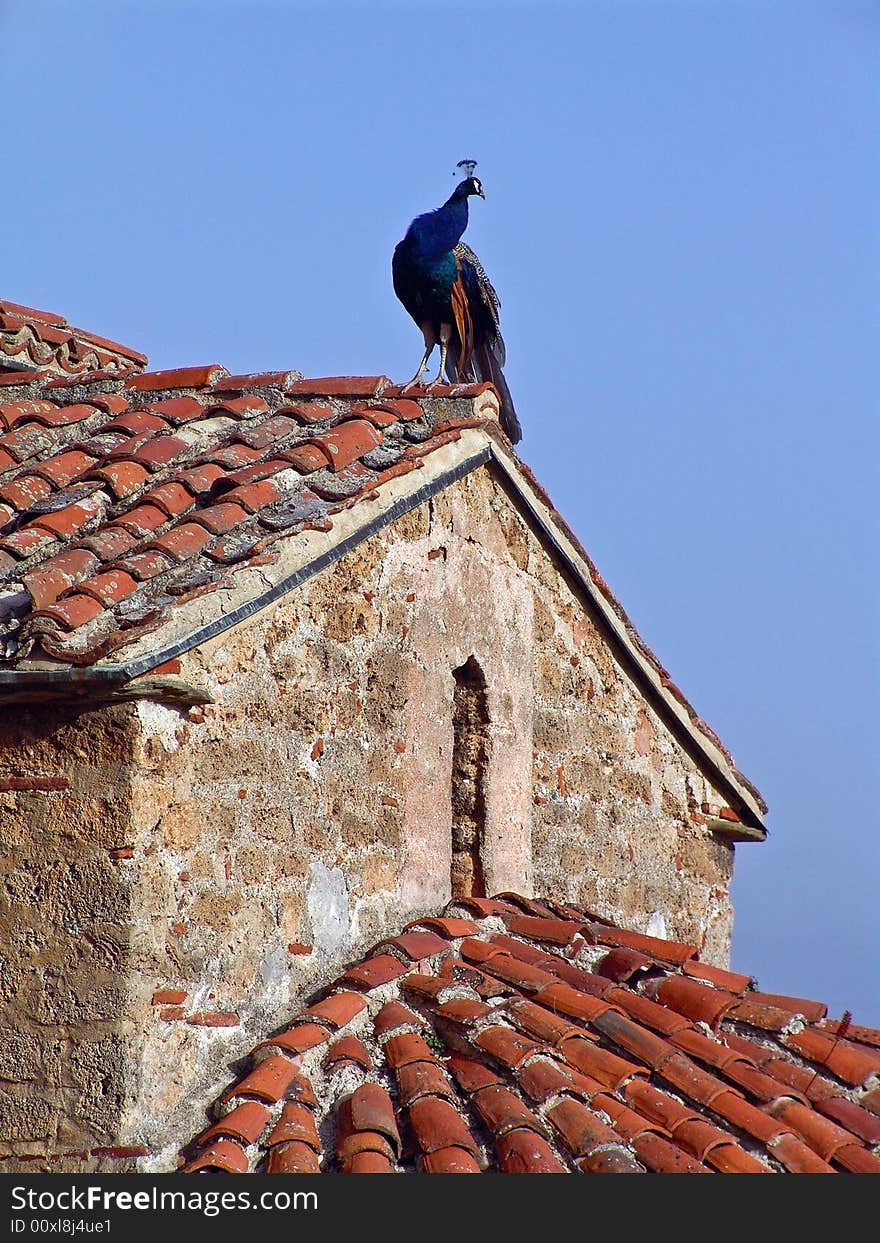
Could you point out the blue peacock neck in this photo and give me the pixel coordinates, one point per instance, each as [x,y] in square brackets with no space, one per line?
[434,234]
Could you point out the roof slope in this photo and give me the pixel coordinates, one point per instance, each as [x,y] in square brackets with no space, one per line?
[518,1036]
[42,340]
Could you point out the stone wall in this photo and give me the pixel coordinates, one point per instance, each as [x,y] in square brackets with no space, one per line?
[66,919]
[309,807]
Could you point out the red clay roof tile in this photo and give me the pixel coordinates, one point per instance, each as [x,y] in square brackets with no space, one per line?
[821,1134]
[732,981]
[25,491]
[63,468]
[141,520]
[712,1052]
[663,1157]
[507,1046]
[292,1158]
[298,1039]
[811,1010]
[418,945]
[542,1079]
[182,541]
[857,1160]
[656,1106]
[798,1157]
[370,1108]
[737,1111]
[437,1124]
[295,1124]
[610,1070]
[418,1079]
[58,573]
[543,1024]
[470,1074]
[621,964]
[347,442]
[696,1084]
[649,1013]
[406,1047]
[564,999]
[695,1000]
[123,477]
[502,1111]
[610,1161]
[393,1016]
[581,1129]
[73,611]
[759,1085]
[372,973]
[554,931]
[66,522]
[525,1152]
[634,1039]
[450,1161]
[339,386]
[179,377]
[109,587]
[259,379]
[172,498]
[146,565]
[666,951]
[851,1064]
[224,1155]
[246,1123]
[852,1117]
[730,1159]
[337,1010]
[268,1081]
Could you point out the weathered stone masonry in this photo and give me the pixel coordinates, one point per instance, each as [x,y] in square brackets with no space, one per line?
[196,851]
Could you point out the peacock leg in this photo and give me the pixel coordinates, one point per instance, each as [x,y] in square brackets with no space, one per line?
[445,334]
[430,342]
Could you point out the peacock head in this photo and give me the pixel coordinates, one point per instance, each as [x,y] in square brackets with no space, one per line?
[471,184]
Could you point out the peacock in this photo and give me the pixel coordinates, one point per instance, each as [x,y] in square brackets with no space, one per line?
[444,287]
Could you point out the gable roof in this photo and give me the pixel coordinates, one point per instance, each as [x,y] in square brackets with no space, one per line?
[44,341]
[134,504]
[514,1036]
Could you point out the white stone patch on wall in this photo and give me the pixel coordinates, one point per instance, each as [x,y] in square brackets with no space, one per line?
[327,904]
[656,926]
[274,971]
[159,723]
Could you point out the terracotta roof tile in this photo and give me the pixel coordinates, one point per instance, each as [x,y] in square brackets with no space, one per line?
[437,1124]
[811,1010]
[245,1122]
[292,1158]
[268,1081]
[180,377]
[663,1157]
[694,1000]
[418,1079]
[224,1155]
[295,1123]
[339,386]
[335,1011]
[579,1126]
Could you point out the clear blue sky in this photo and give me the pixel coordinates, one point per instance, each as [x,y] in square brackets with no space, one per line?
[682,222]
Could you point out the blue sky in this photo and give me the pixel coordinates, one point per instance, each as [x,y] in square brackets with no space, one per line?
[681,220]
